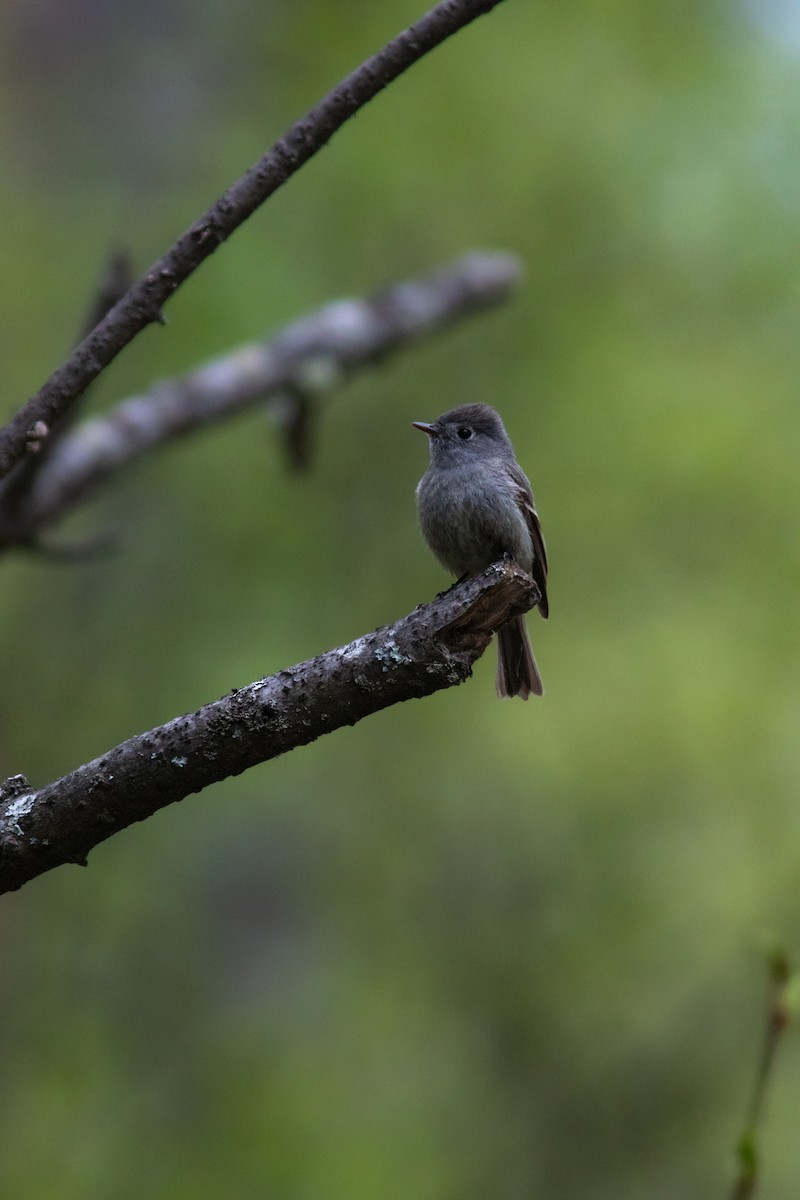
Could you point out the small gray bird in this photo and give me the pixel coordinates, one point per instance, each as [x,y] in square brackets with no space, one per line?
[475,504]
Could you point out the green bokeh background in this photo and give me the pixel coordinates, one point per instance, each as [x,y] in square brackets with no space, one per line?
[464,949]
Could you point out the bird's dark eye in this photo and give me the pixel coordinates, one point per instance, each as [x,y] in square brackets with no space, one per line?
[464,432]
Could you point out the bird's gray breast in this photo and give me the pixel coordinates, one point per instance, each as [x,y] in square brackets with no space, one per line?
[470,518]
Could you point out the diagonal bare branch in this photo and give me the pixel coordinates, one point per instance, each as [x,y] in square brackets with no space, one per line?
[143,303]
[432,648]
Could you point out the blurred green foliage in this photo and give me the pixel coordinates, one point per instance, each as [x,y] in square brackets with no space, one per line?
[464,949]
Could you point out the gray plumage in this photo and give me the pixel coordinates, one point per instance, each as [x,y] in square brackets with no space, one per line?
[475,504]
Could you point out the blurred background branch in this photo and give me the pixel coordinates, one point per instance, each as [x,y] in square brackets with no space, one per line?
[432,648]
[42,439]
[295,367]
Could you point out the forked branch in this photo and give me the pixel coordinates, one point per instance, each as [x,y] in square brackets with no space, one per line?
[144,302]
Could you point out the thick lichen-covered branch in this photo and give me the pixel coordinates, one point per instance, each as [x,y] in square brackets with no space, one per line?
[432,648]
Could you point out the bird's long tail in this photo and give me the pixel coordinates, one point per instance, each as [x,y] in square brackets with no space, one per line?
[517,673]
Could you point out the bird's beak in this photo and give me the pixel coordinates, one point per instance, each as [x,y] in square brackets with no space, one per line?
[431,430]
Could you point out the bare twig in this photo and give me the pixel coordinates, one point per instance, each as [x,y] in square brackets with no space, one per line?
[143,303]
[308,358]
[432,648]
[117,278]
[779,1011]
